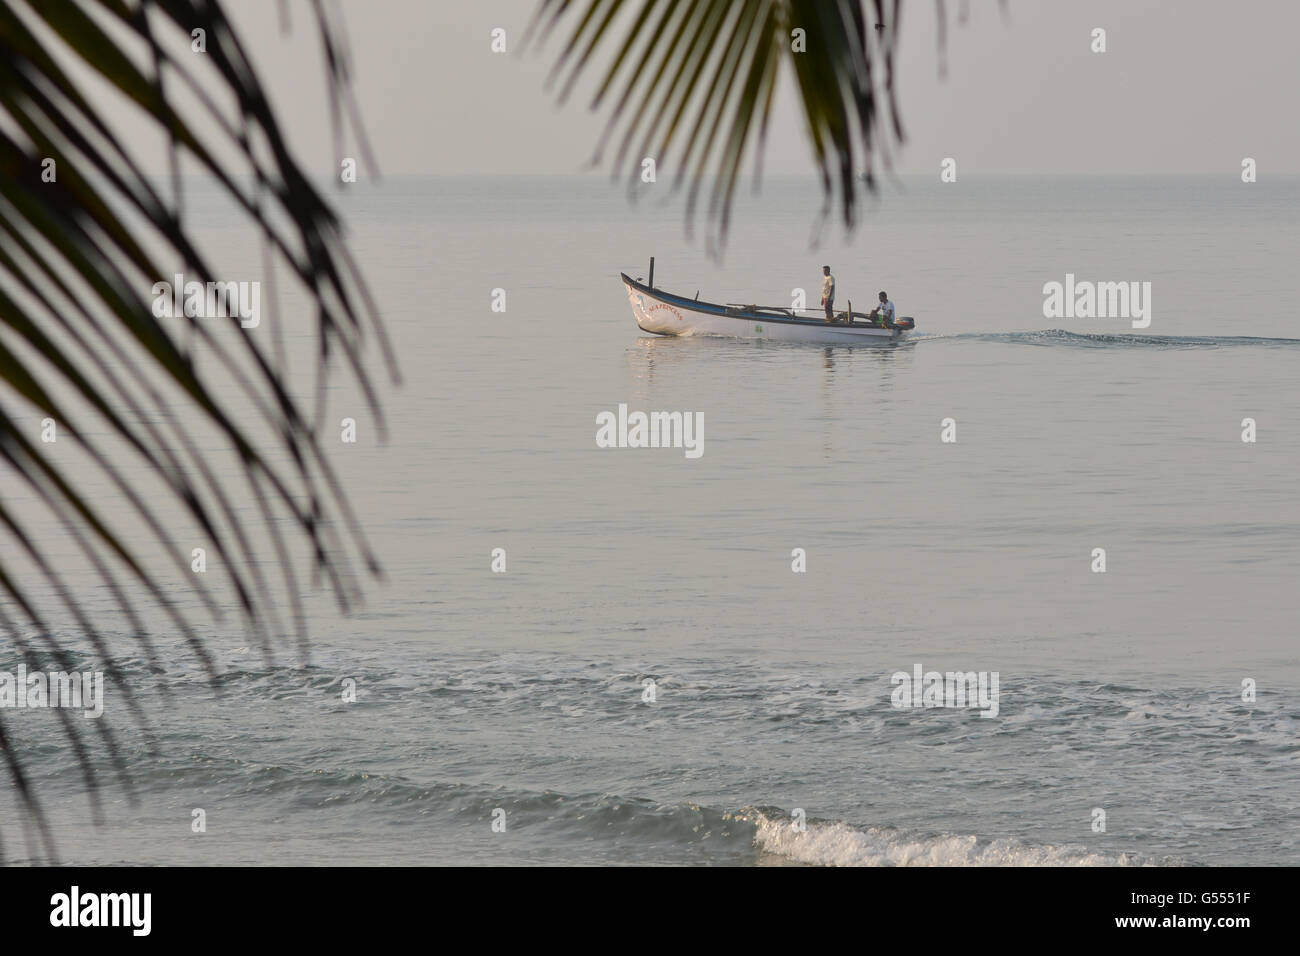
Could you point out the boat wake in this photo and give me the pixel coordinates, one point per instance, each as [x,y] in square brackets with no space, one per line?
[1101,340]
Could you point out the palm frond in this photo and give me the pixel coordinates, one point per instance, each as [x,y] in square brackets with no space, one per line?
[136,394]
[703,74]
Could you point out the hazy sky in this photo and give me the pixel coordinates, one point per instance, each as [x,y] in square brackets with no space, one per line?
[1186,86]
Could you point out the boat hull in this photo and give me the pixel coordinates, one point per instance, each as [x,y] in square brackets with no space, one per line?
[662,313]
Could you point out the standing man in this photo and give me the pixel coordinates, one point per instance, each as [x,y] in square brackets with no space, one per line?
[828,293]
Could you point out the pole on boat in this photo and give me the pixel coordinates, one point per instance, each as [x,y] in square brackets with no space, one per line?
[652,272]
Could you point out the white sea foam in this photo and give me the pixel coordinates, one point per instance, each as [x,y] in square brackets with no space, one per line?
[838,844]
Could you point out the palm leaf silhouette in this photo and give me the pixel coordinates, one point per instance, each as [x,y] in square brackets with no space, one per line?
[692,84]
[79,343]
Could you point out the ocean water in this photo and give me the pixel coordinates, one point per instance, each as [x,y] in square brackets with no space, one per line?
[525,691]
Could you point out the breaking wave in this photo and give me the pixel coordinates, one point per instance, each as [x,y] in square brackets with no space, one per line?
[838,844]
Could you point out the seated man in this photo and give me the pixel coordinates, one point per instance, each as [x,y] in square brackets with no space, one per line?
[884,313]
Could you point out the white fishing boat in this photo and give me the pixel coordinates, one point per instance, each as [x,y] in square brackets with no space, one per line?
[664,313]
